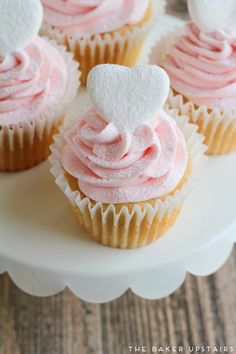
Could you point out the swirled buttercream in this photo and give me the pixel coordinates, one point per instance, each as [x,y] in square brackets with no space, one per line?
[32,81]
[114,167]
[202,67]
[94,16]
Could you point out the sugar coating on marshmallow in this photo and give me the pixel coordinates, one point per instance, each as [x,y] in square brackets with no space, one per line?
[212,15]
[128,97]
[20,21]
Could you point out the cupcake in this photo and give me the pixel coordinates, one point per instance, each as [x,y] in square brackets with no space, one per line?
[38,80]
[101,31]
[200,60]
[125,164]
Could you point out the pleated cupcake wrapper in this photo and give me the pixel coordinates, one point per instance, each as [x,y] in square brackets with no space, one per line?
[218,128]
[116,47]
[25,144]
[143,224]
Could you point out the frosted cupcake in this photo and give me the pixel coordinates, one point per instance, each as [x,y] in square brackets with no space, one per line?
[101,31]
[37,82]
[201,62]
[124,164]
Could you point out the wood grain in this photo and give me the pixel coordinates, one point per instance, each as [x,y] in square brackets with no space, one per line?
[201,312]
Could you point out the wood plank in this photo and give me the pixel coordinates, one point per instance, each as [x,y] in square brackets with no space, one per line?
[202,311]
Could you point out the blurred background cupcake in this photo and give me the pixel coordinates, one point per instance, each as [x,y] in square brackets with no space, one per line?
[101,31]
[38,80]
[200,60]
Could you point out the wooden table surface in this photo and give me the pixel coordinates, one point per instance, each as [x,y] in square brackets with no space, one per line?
[201,312]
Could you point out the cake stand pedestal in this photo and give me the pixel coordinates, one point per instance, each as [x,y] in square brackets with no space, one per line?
[44,251]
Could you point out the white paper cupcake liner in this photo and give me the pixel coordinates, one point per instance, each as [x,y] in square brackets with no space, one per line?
[218,127]
[143,223]
[119,47]
[25,144]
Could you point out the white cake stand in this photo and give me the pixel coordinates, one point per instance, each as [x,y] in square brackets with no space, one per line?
[44,251]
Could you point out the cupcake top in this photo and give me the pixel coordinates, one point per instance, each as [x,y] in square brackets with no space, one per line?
[125,148]
[94,16]
[33,74]
[202,61]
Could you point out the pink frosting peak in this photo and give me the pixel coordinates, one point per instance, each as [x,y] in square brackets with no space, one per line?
[94,16]
[202,67]
[114,167]
[31,81]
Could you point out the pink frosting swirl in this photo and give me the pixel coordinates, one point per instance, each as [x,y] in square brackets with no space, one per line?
[31,81]
[202,67]
[93,16]
[114,167]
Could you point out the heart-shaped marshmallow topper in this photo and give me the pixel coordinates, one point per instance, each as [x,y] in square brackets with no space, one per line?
[213,15]
[128,97]
[20,21]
